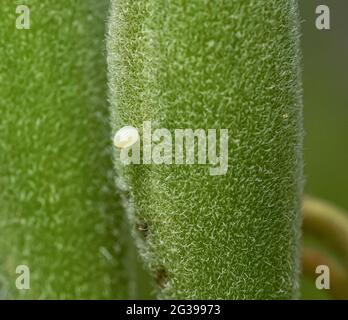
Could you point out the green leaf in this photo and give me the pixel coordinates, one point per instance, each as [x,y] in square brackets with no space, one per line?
[59,211]
[213,65]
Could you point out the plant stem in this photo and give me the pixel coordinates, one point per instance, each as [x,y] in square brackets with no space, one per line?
[327,223]
[60,213]
[231,65]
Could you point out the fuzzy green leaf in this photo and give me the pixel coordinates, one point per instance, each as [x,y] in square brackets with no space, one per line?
[59,211]
[213,64]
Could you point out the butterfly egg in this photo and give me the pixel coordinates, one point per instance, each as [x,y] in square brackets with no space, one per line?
[126,137]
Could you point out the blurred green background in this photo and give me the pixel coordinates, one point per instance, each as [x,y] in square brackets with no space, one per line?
[325,76]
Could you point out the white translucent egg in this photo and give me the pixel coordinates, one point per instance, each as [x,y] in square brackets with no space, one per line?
[126,137]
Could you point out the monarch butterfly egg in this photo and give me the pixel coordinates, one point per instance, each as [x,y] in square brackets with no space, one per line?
[126,137]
